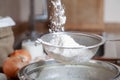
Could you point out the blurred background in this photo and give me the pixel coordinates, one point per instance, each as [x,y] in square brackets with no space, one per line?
[96,16]
[84,15]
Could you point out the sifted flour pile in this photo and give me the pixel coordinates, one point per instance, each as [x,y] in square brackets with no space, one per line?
[76,54]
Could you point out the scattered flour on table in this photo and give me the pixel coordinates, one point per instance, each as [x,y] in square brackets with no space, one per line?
[79,54]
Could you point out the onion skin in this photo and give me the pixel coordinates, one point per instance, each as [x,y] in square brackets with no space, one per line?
[23,53]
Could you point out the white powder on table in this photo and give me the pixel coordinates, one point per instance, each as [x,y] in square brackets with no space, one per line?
[79,54]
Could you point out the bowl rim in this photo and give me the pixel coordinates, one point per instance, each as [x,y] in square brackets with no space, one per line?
[75,32]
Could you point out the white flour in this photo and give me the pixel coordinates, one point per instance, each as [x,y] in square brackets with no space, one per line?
[57,16]
[79,54]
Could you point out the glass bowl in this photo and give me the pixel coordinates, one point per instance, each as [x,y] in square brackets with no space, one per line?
[51,70]
[71,46]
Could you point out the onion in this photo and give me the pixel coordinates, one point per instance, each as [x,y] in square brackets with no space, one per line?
[15,62]
[12,65]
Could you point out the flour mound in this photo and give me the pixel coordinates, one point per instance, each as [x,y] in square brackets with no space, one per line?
[78,54]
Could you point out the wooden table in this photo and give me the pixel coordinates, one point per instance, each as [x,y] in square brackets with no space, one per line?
[112,60]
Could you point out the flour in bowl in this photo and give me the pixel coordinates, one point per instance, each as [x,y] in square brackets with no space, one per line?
[73,50]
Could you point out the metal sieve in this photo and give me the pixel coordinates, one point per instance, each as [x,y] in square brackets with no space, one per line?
[62,53]
[51,70]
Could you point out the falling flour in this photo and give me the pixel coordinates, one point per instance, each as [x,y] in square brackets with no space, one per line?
[57,22]
[57,16]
